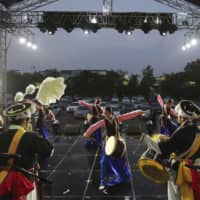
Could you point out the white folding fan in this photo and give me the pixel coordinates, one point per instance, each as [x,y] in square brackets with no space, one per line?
[50,90]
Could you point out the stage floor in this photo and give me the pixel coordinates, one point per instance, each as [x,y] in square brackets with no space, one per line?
[75,173]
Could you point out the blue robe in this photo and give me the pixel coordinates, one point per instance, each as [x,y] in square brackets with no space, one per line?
[167,126]
[95,141]
[96,138]
[114,170]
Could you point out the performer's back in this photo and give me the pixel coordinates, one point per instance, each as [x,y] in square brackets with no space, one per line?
[30,145]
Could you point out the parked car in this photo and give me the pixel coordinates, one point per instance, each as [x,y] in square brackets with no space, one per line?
[116,111]
[125,100]
[127,107]
[72,107]
[55,109]
[81,112]
[155,107]
[115,100]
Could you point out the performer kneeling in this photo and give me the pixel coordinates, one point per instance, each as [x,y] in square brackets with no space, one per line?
[113,167]
[15,185]
[182,148]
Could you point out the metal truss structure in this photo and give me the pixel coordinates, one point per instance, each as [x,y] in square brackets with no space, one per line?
[182,5]
[18,15]
[81,19]
[28,5]
[6,9]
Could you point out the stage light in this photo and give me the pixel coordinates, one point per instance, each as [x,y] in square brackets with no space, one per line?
[51,29]
[172,28]
[93,20]
[22,40]
[183,48]
[145,20]
[29,44]
[163,34]
[146,27]
[188,45]
[157,21]
[129,33]
[25,18]
[193,42]
[86,32]
[34,47]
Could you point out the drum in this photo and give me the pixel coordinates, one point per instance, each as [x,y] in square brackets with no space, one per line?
[151,165]
[114,147]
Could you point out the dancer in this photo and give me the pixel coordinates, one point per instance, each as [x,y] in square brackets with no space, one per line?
[96,106]
[96,139]
[167,125]
[113,169]
[182,148]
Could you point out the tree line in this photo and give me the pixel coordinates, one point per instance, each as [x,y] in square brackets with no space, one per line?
[185,84]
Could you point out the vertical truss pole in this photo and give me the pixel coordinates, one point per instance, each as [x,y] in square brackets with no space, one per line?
[107,7]
[3,57]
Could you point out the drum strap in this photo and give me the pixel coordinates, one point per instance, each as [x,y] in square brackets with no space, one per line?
[184,174]
[116,122]
[12,150]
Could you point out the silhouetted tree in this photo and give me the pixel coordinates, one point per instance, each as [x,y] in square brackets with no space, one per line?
[147,81]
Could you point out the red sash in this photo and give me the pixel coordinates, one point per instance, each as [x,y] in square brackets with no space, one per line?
[17,185]
[195,182]
[14,183]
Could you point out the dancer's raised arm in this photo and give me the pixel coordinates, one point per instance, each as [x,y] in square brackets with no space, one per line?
[130,115]
[94,127]
[84,103]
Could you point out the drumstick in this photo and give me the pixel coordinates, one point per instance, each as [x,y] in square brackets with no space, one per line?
[139,144]
[142,138]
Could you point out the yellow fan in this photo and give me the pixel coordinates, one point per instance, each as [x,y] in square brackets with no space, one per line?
[50,90]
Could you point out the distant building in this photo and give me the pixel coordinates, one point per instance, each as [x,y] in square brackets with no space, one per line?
[71,73]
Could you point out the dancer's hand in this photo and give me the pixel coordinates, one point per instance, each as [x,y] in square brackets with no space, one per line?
[85,134]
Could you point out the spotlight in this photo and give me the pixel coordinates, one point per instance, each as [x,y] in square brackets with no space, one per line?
[172,28]
[188,45]
[183,48]
[145,20]
[86,32]
[22,40]
[51,29]
[193,42]
[25,18]
[29,44]
[50,32]
[93,20]
[157,21]
[163,33]
[34,47]
[129,33]
[68,26]
[42,27]
[146,27]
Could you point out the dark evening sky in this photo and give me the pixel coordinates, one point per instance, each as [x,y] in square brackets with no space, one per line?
[107,49]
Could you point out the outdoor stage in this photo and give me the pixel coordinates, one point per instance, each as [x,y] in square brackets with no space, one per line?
[76,173]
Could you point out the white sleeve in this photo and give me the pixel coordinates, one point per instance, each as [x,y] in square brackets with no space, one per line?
[151,144]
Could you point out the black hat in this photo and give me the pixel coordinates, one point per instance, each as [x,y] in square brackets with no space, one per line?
[20,110]
[187,109]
